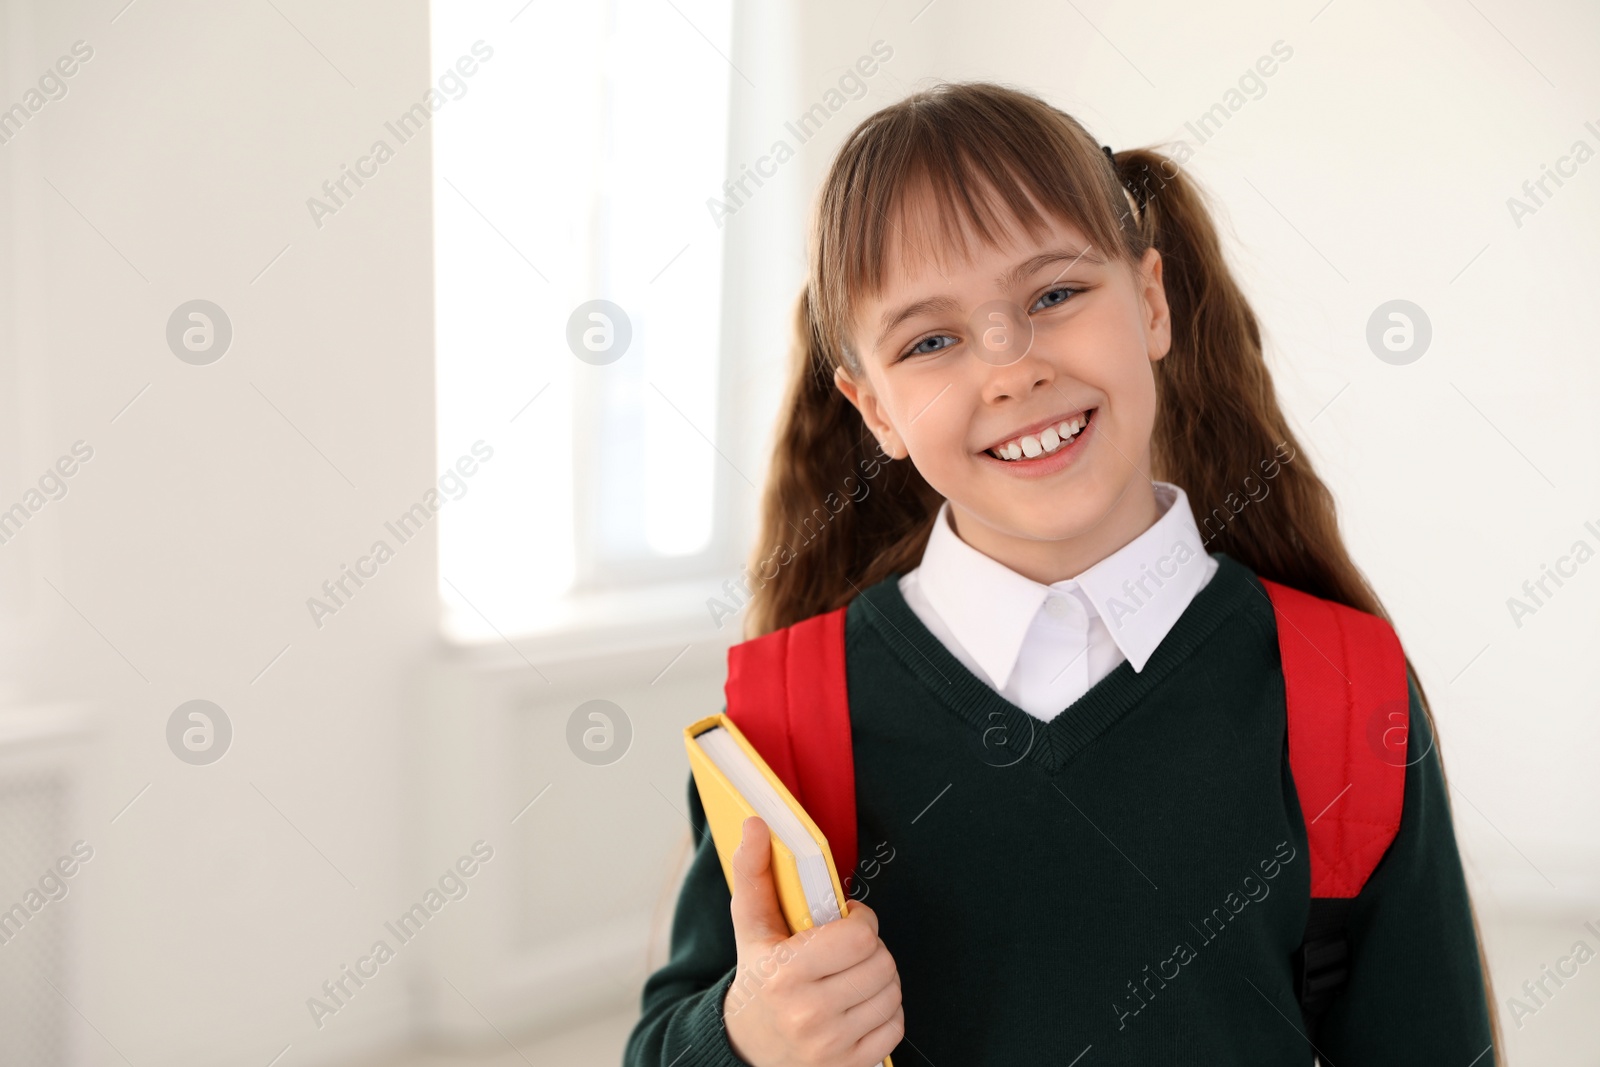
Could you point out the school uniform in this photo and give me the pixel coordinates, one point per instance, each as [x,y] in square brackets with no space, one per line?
[1081,835]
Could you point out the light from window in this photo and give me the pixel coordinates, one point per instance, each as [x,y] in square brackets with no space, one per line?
[574,166]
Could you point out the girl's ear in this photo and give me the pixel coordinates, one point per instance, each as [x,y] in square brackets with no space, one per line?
[866,402]
[1157,315]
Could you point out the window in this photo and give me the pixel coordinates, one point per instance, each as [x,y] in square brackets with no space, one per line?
[572,166]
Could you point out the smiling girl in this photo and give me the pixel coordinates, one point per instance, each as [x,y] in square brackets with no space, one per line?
[1066,703]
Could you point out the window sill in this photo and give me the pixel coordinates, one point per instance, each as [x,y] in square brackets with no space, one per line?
[596,624]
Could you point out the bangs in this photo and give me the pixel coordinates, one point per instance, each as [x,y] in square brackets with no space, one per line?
[956,161]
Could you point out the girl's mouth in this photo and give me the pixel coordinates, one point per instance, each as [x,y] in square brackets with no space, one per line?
[1050,448]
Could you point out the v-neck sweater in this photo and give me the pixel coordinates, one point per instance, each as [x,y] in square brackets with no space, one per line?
[1125,883]
[1039,645]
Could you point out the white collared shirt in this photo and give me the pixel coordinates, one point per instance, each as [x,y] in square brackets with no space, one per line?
[1042,646]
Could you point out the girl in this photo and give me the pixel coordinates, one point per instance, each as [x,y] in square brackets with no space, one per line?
[1063,769]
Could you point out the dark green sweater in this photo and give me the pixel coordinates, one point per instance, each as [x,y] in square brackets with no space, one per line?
[1125,883]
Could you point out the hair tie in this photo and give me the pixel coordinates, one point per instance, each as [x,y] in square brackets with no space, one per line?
[1134,202]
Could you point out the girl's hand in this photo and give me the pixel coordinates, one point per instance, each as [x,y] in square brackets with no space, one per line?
[827,995]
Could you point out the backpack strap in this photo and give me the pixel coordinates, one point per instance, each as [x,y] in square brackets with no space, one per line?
[1344,679]
[786,693]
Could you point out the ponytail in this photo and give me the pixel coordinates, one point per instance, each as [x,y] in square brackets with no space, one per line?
[837,514]
[1219,432]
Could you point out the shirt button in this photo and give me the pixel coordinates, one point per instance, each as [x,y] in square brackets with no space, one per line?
[1056,607]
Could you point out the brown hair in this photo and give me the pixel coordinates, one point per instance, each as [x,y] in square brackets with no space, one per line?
[976,146]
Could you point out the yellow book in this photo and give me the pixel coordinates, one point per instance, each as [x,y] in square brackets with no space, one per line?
[735,783]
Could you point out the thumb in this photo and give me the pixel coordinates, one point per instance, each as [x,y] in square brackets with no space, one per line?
[756,914]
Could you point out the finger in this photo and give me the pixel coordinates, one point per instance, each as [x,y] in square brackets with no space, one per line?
[855,985]
[876,1010]
[859,912]
[833,947]
[872,1048]
[757,918]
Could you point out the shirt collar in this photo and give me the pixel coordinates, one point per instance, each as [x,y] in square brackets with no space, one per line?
[1138,591]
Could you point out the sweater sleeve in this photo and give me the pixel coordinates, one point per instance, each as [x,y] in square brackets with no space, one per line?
[1416,992]
[681,1019]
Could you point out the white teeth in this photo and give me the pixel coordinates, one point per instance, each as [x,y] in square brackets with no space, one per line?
[1047,440]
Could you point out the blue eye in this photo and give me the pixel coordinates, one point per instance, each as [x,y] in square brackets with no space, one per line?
[921,349]
[1061,291]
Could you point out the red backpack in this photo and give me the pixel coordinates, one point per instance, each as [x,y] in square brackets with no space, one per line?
[1346,694]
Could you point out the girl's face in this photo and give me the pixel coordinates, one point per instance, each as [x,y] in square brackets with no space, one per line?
[1020,383]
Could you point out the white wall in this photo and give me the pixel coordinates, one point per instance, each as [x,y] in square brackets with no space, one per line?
[220,500]
[1376,165]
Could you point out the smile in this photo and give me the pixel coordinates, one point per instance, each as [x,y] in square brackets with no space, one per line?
[1044,442]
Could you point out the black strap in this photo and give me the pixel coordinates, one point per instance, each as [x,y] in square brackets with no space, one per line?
[1139,195]
[1322,962]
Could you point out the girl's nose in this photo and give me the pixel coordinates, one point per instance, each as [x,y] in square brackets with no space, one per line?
[1001,332]
[1029,370]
